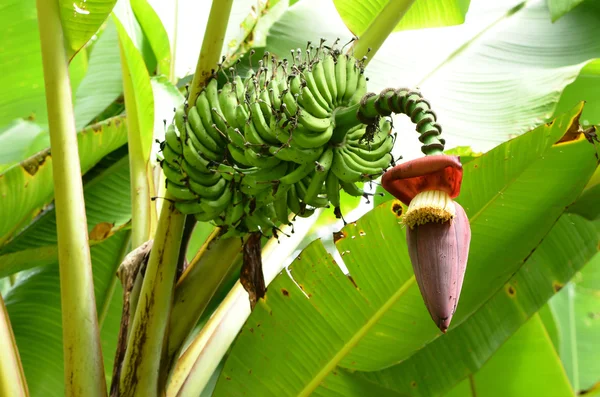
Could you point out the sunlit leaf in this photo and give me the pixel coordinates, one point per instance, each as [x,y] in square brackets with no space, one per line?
[155,32]
[33,302]
[443,363]
[526,365]
[103,82]
[22,78]
[314,318]
[577,311]
[26,188]
[136,79]
[558,8]
[358,14]
[81,19]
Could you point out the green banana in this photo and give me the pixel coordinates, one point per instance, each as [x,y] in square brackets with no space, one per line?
[340,76]
[180,192]
[206,152]
[373,154]
[228,102]
[352,74]
[313,123]
[260,124]
[321,82]
[280,203]
[370,167]
[309,103]
[319,177]
[212,94]
[205,112]
[352,189]
[173,174]
[172,158]
[361,90]
[208,192]
[198,129]
[237,155]
[296,155]
[309,140]
[332,186]
[312,86]
[297,174]
[260,161]
[173,139]
[180,121]
[202,178]
[342,170]
[329,70]
[191,155]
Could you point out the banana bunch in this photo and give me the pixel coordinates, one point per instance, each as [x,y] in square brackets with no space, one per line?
[249,154]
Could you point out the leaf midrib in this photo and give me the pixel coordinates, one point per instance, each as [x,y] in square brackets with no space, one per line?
[358,335]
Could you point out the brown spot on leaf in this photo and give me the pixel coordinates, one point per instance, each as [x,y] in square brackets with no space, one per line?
[413,384]
[511,291]
[101,231]
[228,378]
[557,286]
[251,330]
[397,208]
[337,236]
[285,292]
[33,163]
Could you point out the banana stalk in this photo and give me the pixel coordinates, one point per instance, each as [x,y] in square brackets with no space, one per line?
[84,369]
[380,28]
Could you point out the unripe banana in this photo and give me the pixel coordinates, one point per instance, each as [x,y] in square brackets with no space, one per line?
[246,156]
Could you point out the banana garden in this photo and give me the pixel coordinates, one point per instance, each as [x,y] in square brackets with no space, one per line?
[300,197]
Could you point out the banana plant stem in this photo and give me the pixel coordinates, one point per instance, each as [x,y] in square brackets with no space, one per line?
[212,44]
[83,365]
[381,27]
[141,373]
[198,285]
[12,377]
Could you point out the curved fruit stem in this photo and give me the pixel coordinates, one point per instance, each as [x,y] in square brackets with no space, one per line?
[84,369]
[380,28]
[372,107]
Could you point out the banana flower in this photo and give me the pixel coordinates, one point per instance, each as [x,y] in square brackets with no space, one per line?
[437,229]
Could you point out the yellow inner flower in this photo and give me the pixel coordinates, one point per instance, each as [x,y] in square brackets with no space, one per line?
[429,206]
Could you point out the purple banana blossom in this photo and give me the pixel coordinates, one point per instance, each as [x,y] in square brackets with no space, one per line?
[438,232]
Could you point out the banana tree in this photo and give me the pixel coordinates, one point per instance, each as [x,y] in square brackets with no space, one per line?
[174,266]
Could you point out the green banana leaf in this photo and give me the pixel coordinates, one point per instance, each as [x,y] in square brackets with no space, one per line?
[442,364]
[22,79]
[33,303]
[523,74]
[26,188]
[558,8]
[137,78]
[576,310]
[358,14]
[102,83]
[155,32]
[526,365]
[314,318]
[81,20]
